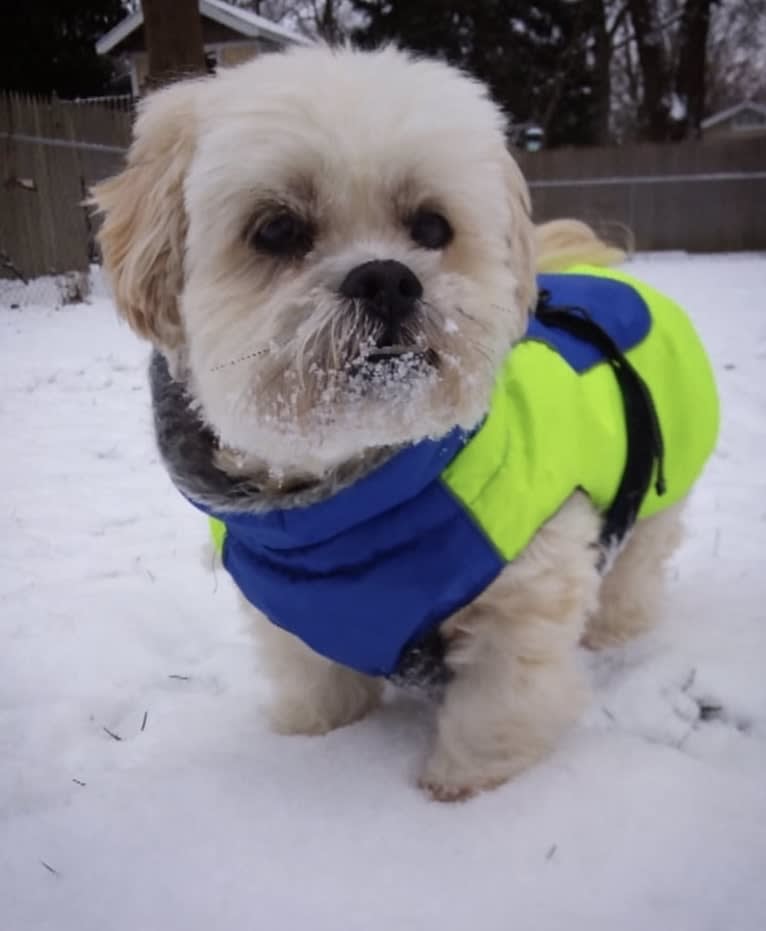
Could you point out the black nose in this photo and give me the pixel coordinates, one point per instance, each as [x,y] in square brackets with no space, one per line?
[388,289]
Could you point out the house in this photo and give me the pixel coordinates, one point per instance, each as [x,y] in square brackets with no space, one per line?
[231,35]
[745,119]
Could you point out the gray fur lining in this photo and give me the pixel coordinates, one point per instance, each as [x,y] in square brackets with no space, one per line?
[188,448]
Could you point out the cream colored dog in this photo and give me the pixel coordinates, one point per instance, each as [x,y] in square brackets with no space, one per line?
[247,200]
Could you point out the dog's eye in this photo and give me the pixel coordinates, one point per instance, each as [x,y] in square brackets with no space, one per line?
[430,230]
[284,234]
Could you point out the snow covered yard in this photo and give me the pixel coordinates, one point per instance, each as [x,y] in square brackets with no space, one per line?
[140,788]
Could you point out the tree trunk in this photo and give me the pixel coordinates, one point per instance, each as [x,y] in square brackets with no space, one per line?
[327,23]
[655,102]
[173,31]
[603,74]
[692,59]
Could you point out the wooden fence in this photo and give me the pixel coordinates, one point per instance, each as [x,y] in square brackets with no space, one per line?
[51,151]
[697,196]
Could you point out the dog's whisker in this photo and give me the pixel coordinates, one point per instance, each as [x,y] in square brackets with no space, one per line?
[279,373]
[251,355]
[335,325]
[482,350]
[480,323]
[465,313]
[301,348]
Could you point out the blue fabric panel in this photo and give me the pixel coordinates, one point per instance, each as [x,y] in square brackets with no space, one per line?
[400,479]
[615,306]
[364,596]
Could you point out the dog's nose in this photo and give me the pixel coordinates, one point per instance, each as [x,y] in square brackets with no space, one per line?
[388,289]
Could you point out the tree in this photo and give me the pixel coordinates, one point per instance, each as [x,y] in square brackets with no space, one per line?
[675,62]
[173,39]
[671,55]
[656,101]
[736,66]
[691,71]
[50,46]
[536,57]
[327,19]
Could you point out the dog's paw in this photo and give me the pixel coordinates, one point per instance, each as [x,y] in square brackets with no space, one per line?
[293,715]
[293,718]
[457,792]
[445,780]
[447,793]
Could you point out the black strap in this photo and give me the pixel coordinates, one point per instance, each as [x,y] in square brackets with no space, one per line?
[645,447]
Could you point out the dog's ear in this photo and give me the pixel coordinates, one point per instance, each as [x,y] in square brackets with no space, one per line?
[521,236]
[144,226]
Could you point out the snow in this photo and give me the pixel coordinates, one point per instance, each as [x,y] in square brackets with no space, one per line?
[650,815]
[678,108]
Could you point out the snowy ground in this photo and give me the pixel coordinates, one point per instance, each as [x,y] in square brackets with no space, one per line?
[141,790]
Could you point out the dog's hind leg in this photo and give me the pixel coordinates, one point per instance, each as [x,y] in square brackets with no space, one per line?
[310,694]
[632,592]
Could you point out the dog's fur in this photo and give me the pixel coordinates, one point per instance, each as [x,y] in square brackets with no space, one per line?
[273,357]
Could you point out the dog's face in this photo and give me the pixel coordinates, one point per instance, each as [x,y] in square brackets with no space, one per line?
[333,247]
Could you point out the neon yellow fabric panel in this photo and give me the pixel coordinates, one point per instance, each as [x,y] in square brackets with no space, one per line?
[551,430]
[217,533]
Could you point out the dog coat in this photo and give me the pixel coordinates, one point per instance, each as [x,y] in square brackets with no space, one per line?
[610,391]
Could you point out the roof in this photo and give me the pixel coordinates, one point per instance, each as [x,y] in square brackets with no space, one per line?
[724,115]
[242,21]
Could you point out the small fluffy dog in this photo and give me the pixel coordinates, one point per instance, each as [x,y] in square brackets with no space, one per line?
[333,255]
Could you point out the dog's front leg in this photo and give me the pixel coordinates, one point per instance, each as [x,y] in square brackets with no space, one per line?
[517,683]
[310,694]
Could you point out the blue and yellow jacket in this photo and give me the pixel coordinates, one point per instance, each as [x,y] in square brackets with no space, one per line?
[622,406]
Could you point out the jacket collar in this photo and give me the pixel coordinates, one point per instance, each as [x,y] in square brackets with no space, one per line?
[400,479]
[188,447]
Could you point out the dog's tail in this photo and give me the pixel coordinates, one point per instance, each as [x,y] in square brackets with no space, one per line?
[562,243]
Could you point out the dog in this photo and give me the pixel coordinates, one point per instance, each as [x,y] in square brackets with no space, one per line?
[333,255]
